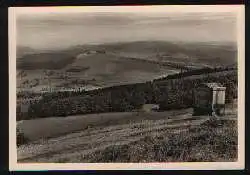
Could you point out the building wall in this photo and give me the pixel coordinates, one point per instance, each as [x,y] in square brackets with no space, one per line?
[202,97]
[150,107]
[218,97]
[207,99]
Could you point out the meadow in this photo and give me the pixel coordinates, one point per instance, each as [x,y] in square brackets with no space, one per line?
[132,137]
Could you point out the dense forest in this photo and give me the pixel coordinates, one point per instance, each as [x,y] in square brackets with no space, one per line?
[172,92]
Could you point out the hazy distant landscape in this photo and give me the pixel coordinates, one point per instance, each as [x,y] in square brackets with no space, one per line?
[118,63]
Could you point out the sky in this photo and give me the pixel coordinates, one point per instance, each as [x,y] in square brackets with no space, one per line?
[62,30]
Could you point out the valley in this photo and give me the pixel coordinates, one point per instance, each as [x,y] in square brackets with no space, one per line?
[95,66]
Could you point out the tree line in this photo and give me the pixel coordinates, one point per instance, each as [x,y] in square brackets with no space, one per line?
[174,92]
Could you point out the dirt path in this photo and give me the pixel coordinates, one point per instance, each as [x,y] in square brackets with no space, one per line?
[75,145]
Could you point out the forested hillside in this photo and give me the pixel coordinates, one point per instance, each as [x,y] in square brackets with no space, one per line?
[172,92]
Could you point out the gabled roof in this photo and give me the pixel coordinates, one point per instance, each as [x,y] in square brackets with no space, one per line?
[213,85]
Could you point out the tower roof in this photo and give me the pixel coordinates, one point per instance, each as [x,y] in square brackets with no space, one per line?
[215,86]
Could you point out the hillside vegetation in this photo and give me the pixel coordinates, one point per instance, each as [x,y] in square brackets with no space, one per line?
[175,92]
[212,141]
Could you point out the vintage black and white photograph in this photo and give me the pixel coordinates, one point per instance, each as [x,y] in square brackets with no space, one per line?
[133,85]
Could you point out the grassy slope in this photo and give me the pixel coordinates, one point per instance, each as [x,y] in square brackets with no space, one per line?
[136,137]
[179,138]
[96,138]
[209,142]
[54,126]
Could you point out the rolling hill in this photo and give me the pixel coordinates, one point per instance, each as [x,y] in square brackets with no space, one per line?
[119,63]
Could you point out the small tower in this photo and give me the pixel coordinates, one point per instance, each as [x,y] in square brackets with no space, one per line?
[209,98]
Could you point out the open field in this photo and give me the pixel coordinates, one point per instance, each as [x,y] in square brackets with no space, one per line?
[96,70]
[54,126]
[96,134]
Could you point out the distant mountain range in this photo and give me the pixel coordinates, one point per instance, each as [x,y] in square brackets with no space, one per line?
[201,53]
[23,51]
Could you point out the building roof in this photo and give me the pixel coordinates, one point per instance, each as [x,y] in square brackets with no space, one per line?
[150,107]
[214,85]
